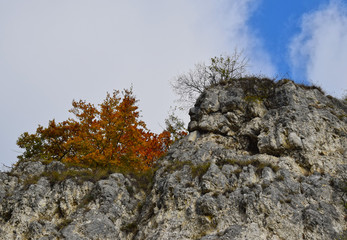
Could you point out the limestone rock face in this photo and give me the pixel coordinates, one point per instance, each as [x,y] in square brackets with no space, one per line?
[277,119]
[263,160]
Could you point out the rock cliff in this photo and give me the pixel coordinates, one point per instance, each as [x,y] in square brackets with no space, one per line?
[263,160]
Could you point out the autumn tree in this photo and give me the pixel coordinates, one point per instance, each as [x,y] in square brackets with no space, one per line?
[109,135]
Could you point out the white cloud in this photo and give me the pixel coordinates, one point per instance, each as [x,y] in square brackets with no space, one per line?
[233,21]
[54,51]
[319,51]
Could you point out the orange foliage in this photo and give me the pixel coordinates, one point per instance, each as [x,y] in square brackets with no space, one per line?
[111,135]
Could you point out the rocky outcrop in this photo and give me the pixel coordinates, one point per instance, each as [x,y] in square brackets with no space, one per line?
[263,160]
[39,208]
[276,119]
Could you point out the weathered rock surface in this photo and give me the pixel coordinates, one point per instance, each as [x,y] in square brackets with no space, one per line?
[263,160]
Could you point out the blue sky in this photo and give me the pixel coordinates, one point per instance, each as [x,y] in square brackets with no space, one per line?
[52,52]
[276,22]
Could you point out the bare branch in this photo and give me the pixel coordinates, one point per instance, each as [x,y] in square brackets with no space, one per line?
[190,85]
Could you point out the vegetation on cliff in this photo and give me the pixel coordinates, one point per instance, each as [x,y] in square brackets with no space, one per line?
[110,136]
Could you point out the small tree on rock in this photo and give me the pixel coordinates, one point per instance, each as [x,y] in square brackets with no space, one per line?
[189,86]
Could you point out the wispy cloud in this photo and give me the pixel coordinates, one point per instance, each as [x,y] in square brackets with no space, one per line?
[319,52]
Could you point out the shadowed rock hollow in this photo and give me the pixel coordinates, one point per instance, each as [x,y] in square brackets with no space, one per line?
[263,160]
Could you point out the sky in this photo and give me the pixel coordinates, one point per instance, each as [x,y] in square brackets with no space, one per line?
[52,52]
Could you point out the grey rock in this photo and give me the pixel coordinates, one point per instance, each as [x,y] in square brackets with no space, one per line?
[55,166]
[28,168]
[294,140]
[263,160]
[214,180]
[193,136]
[210,103]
